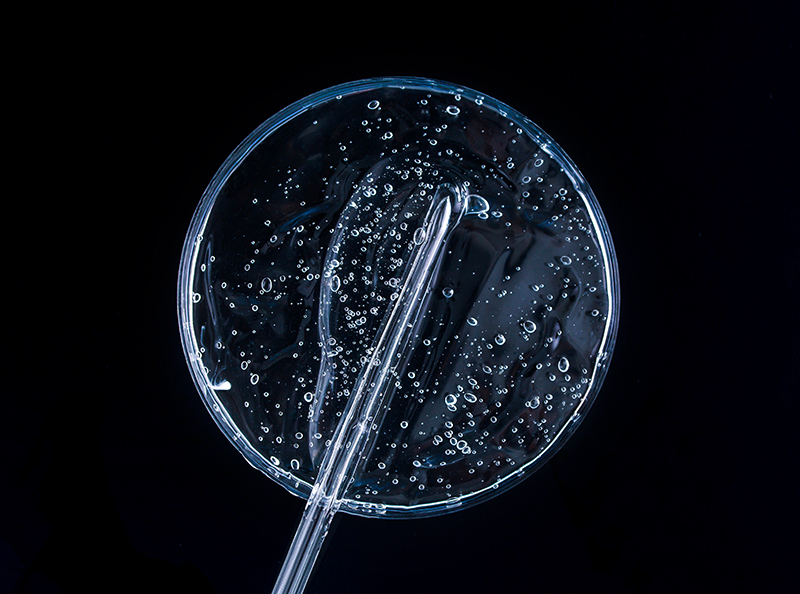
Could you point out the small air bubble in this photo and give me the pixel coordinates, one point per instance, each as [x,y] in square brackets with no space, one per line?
[335,283]
[533,402]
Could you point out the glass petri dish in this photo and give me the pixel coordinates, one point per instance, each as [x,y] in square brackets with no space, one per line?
[298,250]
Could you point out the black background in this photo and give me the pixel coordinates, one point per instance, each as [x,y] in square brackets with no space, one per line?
[682,117]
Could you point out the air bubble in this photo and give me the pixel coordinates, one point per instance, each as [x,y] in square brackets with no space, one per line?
[335,283]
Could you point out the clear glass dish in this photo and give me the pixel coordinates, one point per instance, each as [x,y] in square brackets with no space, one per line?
[305,242]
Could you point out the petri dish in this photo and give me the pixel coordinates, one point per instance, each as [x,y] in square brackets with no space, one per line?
[302,247]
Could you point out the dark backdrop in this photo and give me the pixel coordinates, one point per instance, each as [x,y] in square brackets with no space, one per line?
[683,477]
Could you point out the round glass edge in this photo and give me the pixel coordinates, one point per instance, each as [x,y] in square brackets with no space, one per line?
[188,261]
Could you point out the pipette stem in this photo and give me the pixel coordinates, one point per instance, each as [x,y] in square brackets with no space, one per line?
[349,445]
[307,542]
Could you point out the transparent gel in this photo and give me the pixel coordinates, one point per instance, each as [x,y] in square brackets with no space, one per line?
[397,298]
